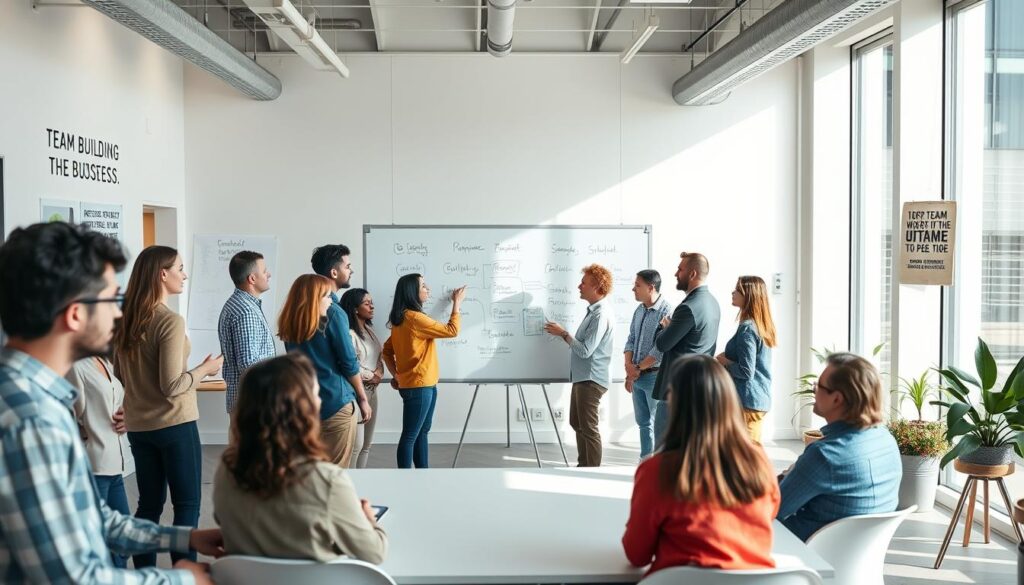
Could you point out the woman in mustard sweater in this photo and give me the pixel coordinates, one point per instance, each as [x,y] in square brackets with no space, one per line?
[411,358]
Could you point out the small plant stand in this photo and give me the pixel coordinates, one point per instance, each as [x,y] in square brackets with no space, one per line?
[976,473]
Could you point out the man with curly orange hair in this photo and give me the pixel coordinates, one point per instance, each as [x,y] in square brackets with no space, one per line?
[589,362]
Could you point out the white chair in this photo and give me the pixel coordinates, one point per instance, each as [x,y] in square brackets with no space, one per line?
[856,546]
[246,570]
[701,576]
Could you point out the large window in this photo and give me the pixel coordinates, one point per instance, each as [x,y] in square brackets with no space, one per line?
[871,278]
[985,168]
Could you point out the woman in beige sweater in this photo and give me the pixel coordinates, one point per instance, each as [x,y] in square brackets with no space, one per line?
[275,493]
[150,353]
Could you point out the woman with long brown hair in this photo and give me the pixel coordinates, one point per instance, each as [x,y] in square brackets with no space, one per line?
[748,355]
[709,497]
[276,494]
[305,326]
[150,357]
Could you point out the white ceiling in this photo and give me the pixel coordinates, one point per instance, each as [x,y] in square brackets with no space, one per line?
[562,26]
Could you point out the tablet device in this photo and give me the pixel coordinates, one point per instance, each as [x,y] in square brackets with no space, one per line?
[378,511]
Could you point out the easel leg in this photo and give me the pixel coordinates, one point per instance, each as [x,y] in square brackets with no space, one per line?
[952,523]
[554,423]
[1009,508]
[529,424]
[508,420]
[465,426]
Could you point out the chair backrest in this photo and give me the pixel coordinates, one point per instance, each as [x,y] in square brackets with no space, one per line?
[246,570]
[701,576]
[856,546]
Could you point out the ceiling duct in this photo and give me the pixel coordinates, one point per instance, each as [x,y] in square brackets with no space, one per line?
[501,15]
[167,25]
[784,32]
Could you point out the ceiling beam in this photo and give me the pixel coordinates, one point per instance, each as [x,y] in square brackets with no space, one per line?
[593,26]
[378,33]
[601,36]
[480,25]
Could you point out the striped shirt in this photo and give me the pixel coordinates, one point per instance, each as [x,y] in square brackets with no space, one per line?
[641,331]
[54,528]
[245,338]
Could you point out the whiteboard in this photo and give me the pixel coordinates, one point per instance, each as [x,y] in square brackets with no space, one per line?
[210,285]
[516,277]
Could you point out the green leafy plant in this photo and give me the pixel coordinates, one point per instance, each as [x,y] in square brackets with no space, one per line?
[918,391]
[997,420]
[919,438]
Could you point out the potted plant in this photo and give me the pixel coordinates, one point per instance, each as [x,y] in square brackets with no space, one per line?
[804,392]
[992,429]
[921,444]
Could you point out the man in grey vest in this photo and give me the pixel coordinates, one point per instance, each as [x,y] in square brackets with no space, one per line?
[692,328]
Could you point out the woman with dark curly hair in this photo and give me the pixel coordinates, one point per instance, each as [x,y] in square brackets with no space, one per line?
[275,493]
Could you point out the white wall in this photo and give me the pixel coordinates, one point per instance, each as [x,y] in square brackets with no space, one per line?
[74,69]
[469,139]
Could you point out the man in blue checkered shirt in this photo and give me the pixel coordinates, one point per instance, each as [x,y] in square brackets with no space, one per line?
[58,302]
[245,336]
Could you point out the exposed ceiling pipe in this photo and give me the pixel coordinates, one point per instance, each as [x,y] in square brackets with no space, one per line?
[785,32]
[501,16]
[167,25]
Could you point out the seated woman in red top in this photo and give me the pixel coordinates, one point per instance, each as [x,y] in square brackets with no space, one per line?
[709,497]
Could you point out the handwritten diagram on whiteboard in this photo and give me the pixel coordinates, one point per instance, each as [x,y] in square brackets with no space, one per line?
[517,278]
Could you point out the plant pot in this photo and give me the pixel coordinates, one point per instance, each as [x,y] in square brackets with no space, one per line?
[812,436]
[1001,455]
[920,478]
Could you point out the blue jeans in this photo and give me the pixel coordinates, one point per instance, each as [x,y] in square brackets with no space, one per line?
[111,490]
[644,409]
[417,414]
[170,457]
[660,424]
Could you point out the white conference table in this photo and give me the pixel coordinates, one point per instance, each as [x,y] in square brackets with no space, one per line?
[488,526]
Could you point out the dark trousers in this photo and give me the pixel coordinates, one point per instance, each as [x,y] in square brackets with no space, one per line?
[111,490]
[583,418]
[170,457]
[417,415]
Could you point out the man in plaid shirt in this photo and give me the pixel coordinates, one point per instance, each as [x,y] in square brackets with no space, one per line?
[58,302]
[245,336]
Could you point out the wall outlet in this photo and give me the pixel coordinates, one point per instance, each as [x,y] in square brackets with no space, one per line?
[519,415]
[536,414]
[559,414]
[777,283]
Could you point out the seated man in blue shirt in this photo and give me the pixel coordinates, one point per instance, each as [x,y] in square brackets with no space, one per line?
[58,302]
[855,468]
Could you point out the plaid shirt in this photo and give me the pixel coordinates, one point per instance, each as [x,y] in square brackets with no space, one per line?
[245,338]
[641,331]
[54,528]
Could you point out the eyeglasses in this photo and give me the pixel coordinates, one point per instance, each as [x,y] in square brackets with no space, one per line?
[117,299]
[817,385]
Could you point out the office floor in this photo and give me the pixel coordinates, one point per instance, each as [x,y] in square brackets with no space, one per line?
[911,554]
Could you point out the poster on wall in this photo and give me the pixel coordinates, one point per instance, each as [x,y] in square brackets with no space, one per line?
[927,242]
[104,218]
[59,210]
